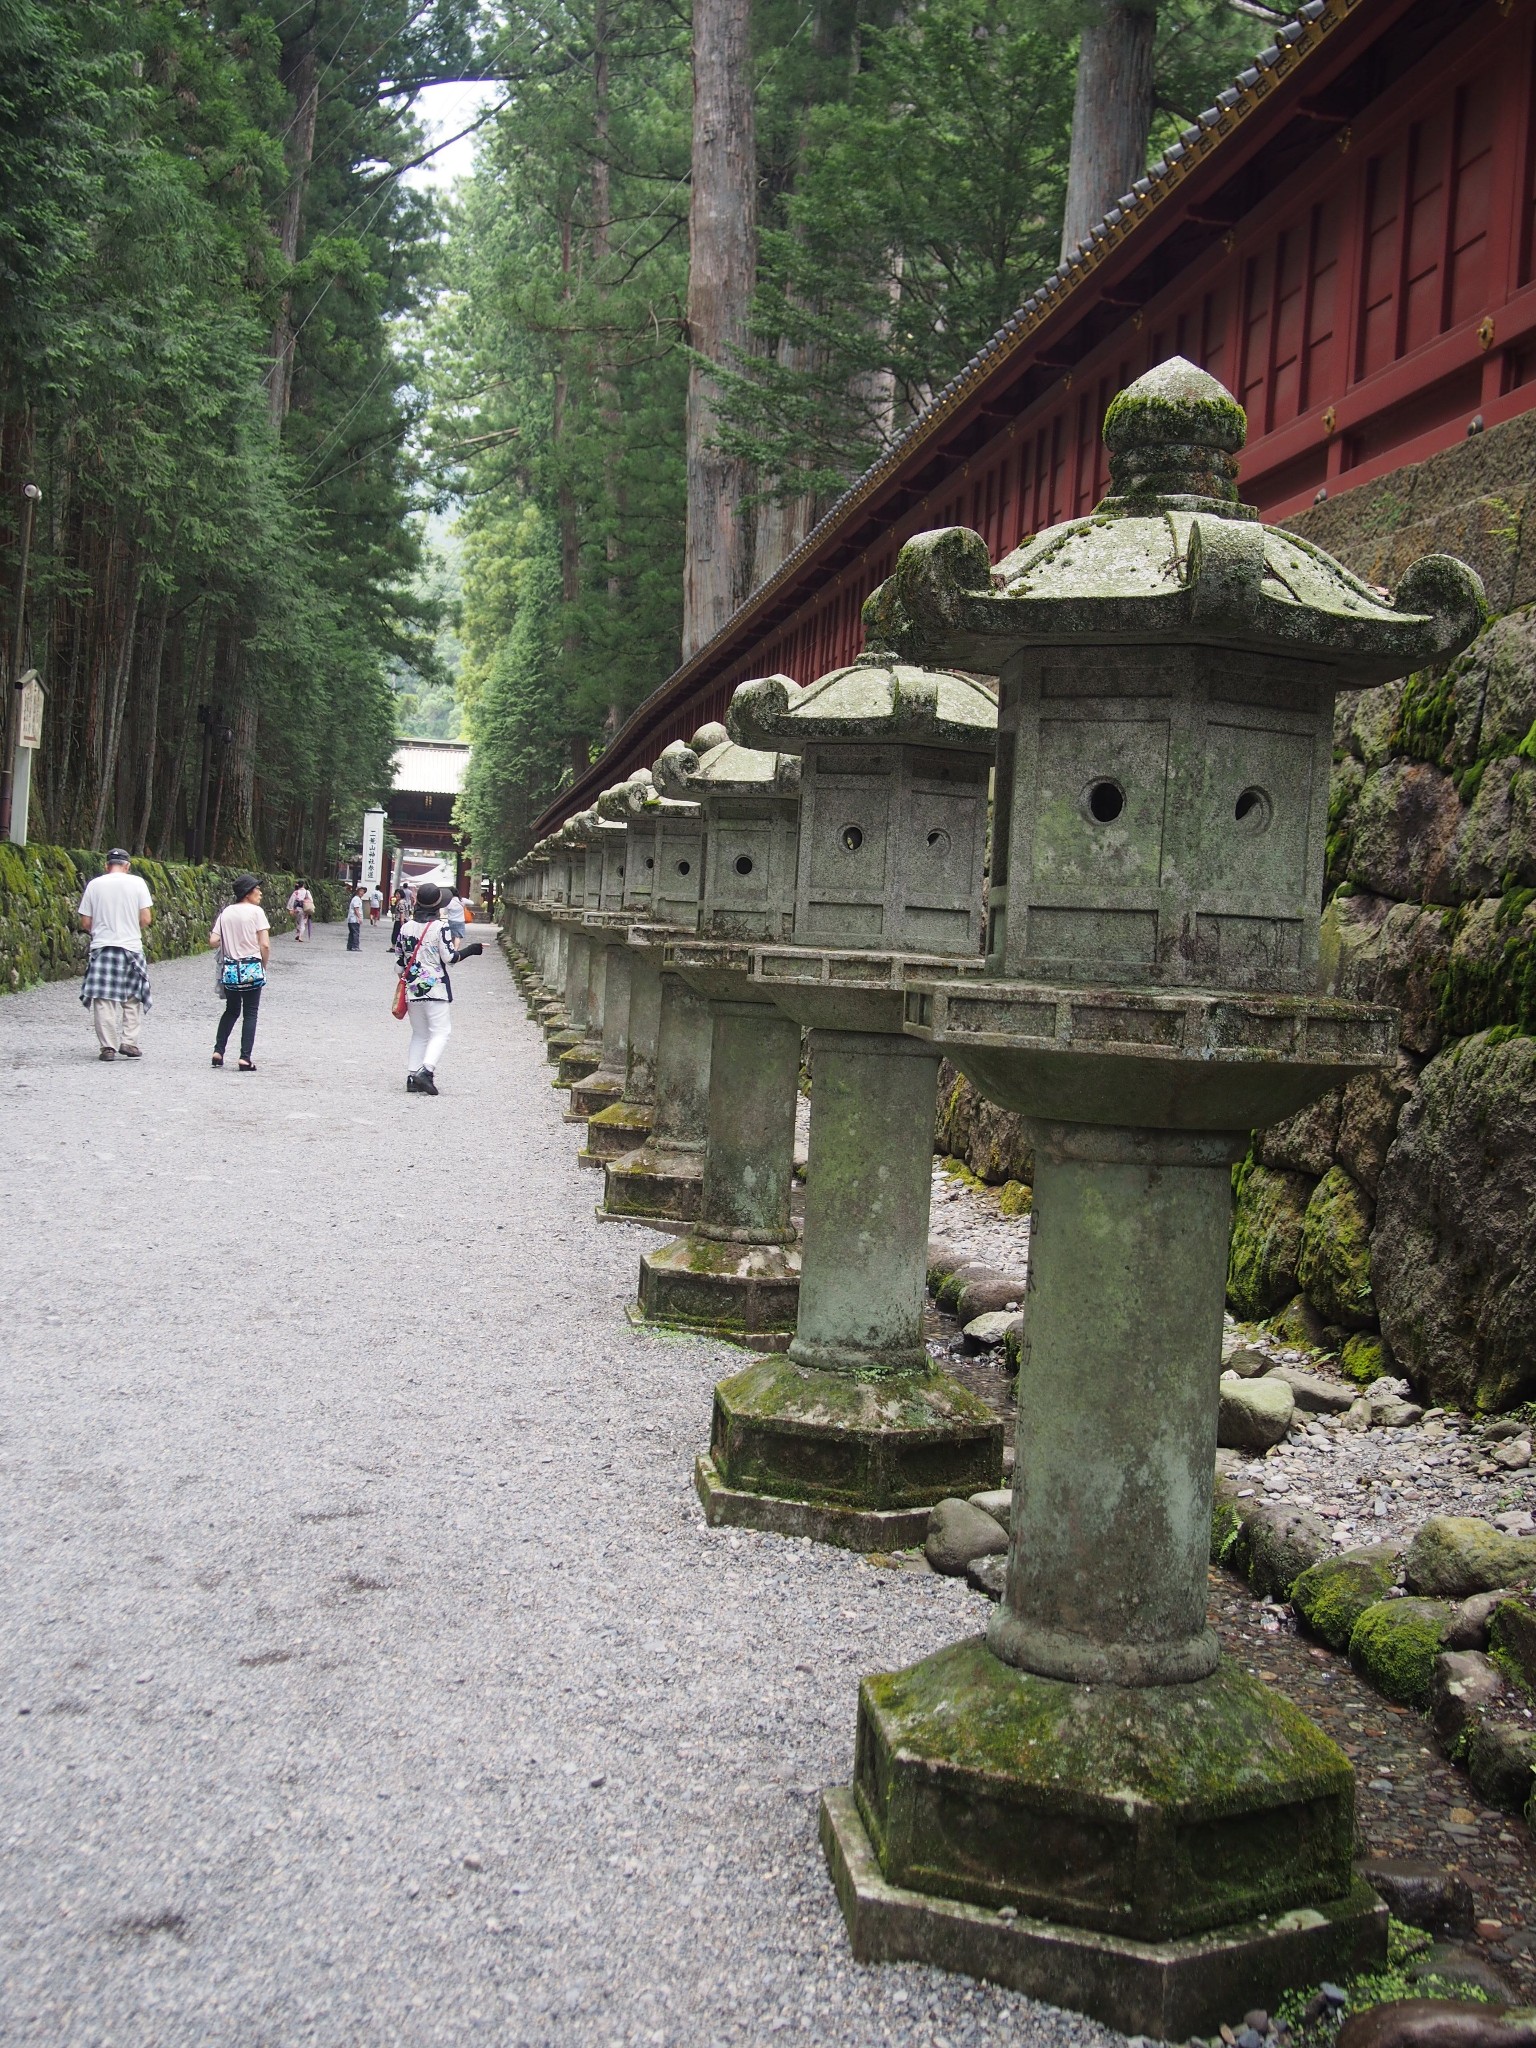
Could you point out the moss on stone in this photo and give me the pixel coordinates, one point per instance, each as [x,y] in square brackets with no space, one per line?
[1266,1239]
[1395,1643]
[1365,1357]
[1331,1596]
[1334,1266]
[1016,1198]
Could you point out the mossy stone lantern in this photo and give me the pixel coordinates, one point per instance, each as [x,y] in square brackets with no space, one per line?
[853,1435]
[660,1179]
[736,1273]
[1166,1825]
[608,934]
[573,1049]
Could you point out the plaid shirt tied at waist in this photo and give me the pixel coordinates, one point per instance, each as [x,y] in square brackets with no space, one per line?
[114,975]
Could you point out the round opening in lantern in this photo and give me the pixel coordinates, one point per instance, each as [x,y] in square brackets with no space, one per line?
[938,844]
[685,867]
[1252,809]
[650,863]
[1106,800]
[853,838]
[743,863]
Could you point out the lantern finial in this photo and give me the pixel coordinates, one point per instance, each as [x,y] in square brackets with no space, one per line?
[1175,433]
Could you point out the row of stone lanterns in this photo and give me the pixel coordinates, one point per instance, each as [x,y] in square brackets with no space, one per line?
[1090,1804]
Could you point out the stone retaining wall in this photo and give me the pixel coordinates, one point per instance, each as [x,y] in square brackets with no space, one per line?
[40,890]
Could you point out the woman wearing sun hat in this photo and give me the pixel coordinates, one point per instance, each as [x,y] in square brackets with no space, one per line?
[426,950]
[241,938]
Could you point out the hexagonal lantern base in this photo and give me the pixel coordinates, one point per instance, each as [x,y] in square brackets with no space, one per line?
[790,1446]
[577,1061]
[595,1092]
[655,1185]
[559,1039]
[1149,1811]
[1167,1991]
[621,1127]
[721,1288]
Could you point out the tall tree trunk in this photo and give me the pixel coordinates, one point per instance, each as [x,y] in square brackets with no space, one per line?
[152,725]
[722,268]
[112,731]
[298,70]
[1111,114]
[607,386]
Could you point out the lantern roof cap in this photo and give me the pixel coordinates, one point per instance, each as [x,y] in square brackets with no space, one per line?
[1170,557]
[686,770]
[879,699]
[621,801]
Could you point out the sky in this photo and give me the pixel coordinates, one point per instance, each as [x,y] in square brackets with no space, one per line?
[442,111]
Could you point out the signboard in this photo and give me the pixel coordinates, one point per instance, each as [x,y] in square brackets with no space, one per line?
[32,696]
[373,847]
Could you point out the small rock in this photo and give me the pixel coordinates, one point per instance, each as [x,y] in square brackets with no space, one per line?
[1332,1594]
[996,1502]
[1394,1414]
[1455,1555]
[1254,1414]
[1428,2023]
[1249,1364]
[1503,1429]
[1464,1685]
[1395,1644]
[1488,1930]
[1517,1522]
[992,1294]
[986,1332]
[1258,2020]
[1463,1966]
[1420,1893]
[1470,1619]
[958,1533]
[1313,1393]
[947,1293]
[1276,1544]
[988,1575]
[1515,1455]
[1249,2037]
[473,1862]
[1357,1417]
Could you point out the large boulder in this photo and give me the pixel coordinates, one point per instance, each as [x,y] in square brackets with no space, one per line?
[1501,1762]
[1254,1413]
[1453,1257]
[1395,1643]
[1453,1556]
[1372,1104]
[994,1143]
[1378,951]
[1465,1685]
[1305,1142]
[1403,825]
[1266,1241]
[1331,1596]
[1334,1266]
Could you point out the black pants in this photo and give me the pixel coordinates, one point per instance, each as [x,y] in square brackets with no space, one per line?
[354,938]
[237,1000]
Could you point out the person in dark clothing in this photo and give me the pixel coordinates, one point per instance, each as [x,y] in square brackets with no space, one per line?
[242,937]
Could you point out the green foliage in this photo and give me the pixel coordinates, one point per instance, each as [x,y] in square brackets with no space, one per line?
[201,543]
[1406,1946]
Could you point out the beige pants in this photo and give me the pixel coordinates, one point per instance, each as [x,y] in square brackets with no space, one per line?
[117,1024]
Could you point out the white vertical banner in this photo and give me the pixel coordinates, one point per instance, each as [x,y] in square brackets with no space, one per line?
[373,847]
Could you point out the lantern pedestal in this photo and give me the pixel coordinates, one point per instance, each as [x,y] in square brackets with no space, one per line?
[737,1273]
[623,1124]
[662,1181]
[855,1435]
[604,1083]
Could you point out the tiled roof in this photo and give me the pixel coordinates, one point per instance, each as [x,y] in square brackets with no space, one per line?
[434,767]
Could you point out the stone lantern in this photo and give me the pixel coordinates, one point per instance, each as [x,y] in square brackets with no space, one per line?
[853,1435]
[608,925]
[737,1272]
[659,1181]
[1173,1835]
[570,1047]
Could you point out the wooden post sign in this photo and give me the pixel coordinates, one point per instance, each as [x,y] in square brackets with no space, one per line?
[33,697]
[30,697]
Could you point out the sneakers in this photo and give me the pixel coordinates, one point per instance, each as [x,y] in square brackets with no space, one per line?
[421,1082]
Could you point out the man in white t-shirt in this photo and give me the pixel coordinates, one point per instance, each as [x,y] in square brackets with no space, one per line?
[116,910]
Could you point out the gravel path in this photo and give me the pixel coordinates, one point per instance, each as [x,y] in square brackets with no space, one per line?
[367,1674]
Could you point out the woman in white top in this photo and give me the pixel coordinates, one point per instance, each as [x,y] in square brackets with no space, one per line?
[426,950]
[241,935]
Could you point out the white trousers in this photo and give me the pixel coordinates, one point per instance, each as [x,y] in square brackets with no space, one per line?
[430,1026]
[117,1024]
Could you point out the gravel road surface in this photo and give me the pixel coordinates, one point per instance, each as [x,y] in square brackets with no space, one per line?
[367,1674]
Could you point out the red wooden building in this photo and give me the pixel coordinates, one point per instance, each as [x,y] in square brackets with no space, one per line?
[1347,239]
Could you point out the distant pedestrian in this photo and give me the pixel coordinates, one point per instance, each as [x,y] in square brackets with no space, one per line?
[355,920]
[301,906]
[375,903]
[426,951]
[116,909]
[396,917]
[242,936]
[454,918]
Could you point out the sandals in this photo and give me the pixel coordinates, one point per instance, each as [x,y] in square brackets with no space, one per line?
[218,1059]
[247,1066]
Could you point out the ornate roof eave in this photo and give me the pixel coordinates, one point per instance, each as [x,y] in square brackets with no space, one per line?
[728,769]
[878,700]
